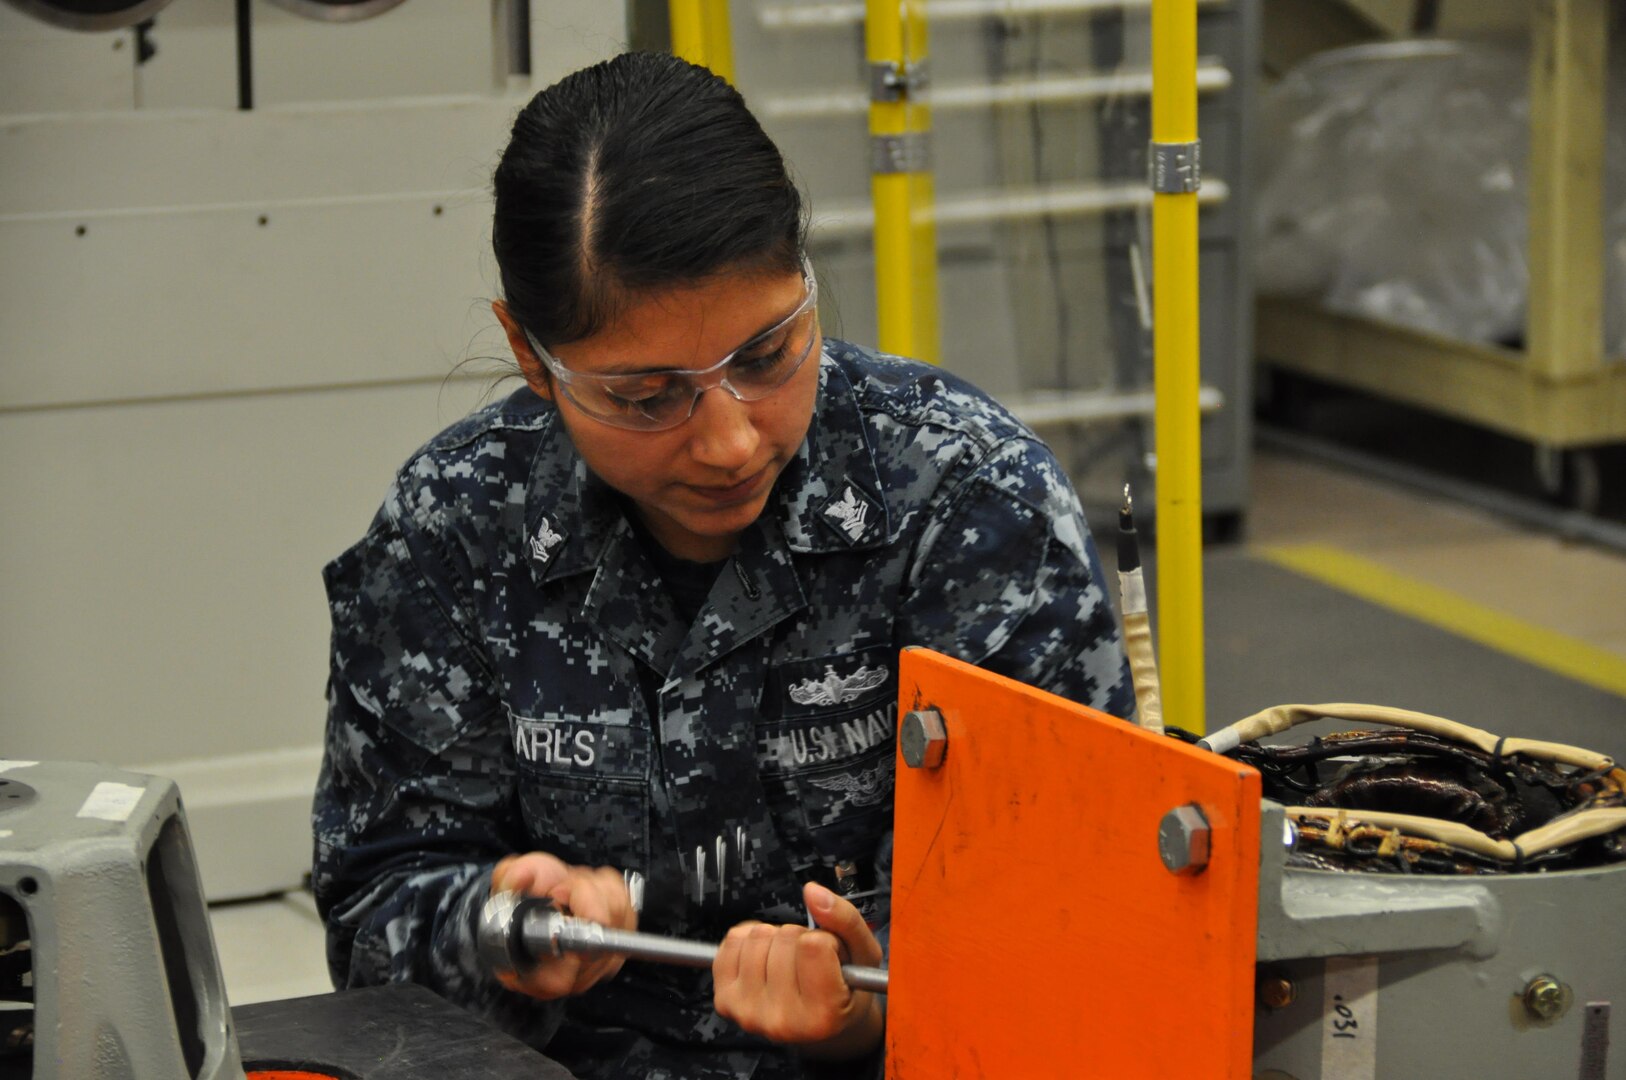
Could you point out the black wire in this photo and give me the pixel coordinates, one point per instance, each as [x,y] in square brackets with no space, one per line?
[1411,744]
[1591,777]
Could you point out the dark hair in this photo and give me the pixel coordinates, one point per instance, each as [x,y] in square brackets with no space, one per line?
[640,172]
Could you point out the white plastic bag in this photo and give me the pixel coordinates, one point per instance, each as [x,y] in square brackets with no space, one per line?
[1393,184]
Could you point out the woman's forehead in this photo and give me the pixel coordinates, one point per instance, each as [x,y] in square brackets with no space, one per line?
[690,325]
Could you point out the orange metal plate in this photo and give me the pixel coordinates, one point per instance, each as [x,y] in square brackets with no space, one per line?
[1035,930]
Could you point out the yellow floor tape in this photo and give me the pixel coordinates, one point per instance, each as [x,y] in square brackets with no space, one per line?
[1439,607]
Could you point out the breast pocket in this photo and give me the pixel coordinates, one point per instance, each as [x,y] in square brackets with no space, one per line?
[584,789]
[825,752]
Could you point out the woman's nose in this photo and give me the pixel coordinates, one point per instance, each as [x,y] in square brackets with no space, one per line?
[724,436]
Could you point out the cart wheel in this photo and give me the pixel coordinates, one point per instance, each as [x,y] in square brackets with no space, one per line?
[1571,478]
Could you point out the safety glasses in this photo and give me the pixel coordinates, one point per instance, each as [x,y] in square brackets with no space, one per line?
[657,400]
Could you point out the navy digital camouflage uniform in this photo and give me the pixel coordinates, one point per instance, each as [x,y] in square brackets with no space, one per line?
[509,673]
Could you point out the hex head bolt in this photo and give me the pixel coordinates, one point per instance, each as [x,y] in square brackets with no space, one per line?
[1545,998]
[923,739]
[1182,839]
[1275,991]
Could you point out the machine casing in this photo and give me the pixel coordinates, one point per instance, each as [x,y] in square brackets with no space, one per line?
[1037,932]
[127,984]
[1449,960]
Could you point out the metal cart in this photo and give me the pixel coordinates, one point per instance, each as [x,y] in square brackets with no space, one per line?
[1560,392]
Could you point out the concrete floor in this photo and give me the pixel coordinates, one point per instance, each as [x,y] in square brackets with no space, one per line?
[1570,589]
[1541,601]
[271,949]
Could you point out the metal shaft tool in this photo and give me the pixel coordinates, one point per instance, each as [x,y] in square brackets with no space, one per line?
[518,931]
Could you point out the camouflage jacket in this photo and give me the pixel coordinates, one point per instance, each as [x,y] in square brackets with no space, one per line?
[509,673]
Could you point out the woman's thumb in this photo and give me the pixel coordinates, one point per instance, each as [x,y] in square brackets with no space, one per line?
[838,915]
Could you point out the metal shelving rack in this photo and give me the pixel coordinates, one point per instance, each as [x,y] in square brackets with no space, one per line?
[1085,382]
[1560,392]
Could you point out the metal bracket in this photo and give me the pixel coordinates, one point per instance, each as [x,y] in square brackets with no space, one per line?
[899,153]
[1313,914]
[891,81]
[1175,168]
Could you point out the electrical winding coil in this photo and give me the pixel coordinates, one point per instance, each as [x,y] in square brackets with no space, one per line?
[1430,795]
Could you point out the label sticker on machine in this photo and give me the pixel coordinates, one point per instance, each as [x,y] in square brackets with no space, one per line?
[111,802]
[1349,1019]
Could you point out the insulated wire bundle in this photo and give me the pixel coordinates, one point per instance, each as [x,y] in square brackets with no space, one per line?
[1137,622]
[1602,812]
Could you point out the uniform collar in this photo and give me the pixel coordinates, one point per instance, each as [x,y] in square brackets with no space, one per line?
[570,514]
[830,497]
[575,523]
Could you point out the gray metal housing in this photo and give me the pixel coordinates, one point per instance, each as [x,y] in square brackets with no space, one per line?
[1453,959]
[127,984]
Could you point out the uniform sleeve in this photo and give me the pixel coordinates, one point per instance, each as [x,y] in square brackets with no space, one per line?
[1007,577]
[413,803]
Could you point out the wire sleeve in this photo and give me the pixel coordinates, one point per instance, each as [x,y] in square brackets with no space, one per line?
[1142,664]
[1555,834]
[1283,717]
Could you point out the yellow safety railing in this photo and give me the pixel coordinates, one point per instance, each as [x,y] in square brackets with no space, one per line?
[1175,172]
[906,271]
[901,180]
[701,36]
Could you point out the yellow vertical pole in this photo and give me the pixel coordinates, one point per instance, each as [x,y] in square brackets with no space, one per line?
[700,34]
[901,179]
[1175,171]
[1568,77]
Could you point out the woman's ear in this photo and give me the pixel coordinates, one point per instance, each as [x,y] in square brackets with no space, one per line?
[536,375]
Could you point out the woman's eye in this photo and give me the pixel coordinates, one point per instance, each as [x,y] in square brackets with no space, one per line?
[761,361]
[641,399]
[629,404]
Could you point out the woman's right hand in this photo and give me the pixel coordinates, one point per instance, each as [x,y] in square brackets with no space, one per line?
[598,894]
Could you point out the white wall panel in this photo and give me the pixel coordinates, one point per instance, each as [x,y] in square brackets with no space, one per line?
[161,564]
[415,49]
[155,160]
[422,49]
[569,34]
[211,301]
[46,69]
[198,410]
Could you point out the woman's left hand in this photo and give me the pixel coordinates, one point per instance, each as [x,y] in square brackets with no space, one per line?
[784,982]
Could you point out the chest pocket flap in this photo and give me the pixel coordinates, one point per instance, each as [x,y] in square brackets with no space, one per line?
[584,786]
[825,749]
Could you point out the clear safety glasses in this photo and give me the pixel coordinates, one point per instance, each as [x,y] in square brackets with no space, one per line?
[656,400]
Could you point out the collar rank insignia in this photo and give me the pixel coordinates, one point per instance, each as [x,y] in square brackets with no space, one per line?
[543,543]
[849,513]
[836,689]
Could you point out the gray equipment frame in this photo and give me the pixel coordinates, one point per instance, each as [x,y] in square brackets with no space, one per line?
[1454,959]
[127,983]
